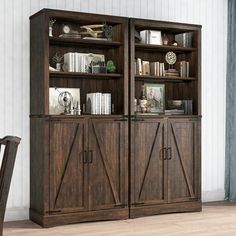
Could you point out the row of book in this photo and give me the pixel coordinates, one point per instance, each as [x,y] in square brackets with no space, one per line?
[149,68]
[98,103]
[80,62]
[158,68]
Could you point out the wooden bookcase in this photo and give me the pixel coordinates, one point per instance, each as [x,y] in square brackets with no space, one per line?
[124,165]
[165,149]
[79,163]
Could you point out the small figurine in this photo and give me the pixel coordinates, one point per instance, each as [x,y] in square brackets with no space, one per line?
[165,39]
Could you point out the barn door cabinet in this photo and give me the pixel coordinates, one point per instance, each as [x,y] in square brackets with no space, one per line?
[123,165]
[165,166]
[85,168]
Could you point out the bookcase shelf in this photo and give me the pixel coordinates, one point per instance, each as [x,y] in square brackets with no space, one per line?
[162,48]
[81,75]
[150,78]
[83,42]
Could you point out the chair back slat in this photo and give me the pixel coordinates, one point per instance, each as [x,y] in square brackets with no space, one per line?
[11,144]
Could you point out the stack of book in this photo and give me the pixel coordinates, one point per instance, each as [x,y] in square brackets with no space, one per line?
[172,73]
[184,40]
[149,68]
[80,62]
[98,103]
[174,112]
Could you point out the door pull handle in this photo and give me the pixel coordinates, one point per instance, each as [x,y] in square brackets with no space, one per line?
[169,153]
[90,156]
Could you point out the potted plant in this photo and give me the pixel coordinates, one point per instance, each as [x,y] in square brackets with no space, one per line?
[51,23]
[57,59]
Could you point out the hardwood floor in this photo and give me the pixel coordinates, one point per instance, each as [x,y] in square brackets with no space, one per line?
[215,219]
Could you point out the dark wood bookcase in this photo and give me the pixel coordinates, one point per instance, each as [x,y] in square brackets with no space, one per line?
[79,163]
[124,165]
[165,149]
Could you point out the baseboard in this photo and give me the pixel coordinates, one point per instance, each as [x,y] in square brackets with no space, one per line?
[16,213]
[212,196]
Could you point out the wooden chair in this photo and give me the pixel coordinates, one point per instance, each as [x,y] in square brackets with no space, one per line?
[8,161]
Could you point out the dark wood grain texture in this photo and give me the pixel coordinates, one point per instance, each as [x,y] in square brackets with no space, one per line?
[119,166]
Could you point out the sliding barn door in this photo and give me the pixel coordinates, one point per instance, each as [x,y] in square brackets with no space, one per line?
[68,185]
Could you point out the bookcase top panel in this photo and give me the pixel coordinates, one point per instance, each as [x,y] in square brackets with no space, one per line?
[173,27]
[83,17]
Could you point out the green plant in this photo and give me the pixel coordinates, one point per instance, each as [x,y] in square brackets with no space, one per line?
[110,66]
[51,22]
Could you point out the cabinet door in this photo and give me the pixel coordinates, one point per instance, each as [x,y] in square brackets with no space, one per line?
[108,168]
[148,167]
[68,185]
[183,160]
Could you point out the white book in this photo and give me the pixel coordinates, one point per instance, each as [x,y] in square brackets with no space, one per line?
[139,65]
[98,103]
[90,103]
[144,34]
[187,69]
[76,62]
[69,62]
[157,68]
[161,69]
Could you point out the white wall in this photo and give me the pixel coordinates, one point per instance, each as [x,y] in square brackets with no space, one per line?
[14,77]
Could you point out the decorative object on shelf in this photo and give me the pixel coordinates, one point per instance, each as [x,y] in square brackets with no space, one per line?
[165,40]
[137,36]
[174,43]
[64,101]
[68,32]
[143,100]
[151,37]
[66,29]
[93,31]
[51,23]
[52,68]
[57,59]
[107,31]
[179,107]
[111,68]
[155,94]
[171,58]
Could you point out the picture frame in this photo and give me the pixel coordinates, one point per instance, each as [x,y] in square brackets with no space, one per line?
[155,94]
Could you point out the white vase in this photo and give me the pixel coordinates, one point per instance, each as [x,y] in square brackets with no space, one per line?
[50,31]
[58,66]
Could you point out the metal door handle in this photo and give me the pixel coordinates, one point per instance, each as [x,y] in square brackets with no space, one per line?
[163,154]
[90,156]
[85,157]
[169,153]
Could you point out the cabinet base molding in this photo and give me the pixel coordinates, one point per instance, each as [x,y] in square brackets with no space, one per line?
[150,210]
[78,217]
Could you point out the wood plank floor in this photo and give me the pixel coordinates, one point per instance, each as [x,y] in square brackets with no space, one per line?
[215,219]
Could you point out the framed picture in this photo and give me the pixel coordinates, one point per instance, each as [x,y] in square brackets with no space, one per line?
[155,94]
[55,108]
